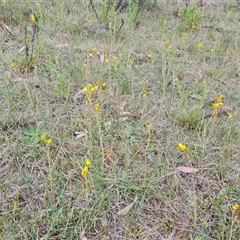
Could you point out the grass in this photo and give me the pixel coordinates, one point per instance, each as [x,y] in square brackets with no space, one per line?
[155,87]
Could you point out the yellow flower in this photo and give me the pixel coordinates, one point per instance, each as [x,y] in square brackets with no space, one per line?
[32,18]
[14,65]
[168,42]
[91,20]
[169,48]
[235,207]
[232,115]
[104,85]
[212,50]
[199,45]
[85,66]
[216,105]
[223,21]
[94,50]
[219,98]
[182,147]
[85,90]
[49,141]
[217,73]
[219,101]
[97,107]
[149,126]
[4,1]
[144,93]
[95,88]
[88,162]
[164,22]
[84,171]
[43,137]
[149,56]
[90,55]
[89,86]
[194,26]
[184,34]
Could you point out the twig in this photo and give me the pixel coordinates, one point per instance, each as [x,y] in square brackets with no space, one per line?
[121,26]
[216,29]
[26,44]
[93,8]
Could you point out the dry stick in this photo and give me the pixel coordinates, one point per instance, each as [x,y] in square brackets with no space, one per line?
[148,143]
[35,30]
[120,26]
[34,36]
[26,44]
[93,8]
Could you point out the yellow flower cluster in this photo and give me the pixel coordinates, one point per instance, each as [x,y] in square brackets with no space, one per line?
[94,49]
[97,107]
[93,53]
[169,46]
[15,67]
[182,147]
[217,72]
[101,83]
[90,88]
[45,140]
[217,104]
[235,207]
[32,18]
[91,20]
[232,115]
[184,35]
[85,169]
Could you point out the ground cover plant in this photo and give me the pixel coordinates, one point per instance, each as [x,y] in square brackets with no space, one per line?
[119,124]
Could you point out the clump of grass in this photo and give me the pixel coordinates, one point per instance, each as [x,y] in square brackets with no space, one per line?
[192,16]
[191,119]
